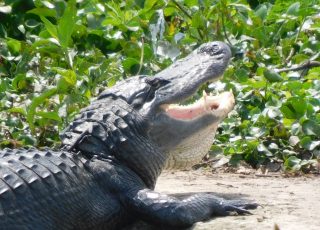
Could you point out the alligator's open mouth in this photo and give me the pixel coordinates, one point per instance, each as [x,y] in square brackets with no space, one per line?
[219,105]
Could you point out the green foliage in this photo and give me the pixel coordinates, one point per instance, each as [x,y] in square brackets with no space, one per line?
[56,55]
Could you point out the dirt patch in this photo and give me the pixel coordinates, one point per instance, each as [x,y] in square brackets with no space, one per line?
[290,203]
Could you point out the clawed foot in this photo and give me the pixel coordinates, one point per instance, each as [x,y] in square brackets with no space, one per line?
[224,207]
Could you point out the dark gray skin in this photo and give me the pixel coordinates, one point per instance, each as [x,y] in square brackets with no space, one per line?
[113,152]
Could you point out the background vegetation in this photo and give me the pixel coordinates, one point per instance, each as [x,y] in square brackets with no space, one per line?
[56,55]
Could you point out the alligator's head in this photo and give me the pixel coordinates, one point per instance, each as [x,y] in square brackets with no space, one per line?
[138,121]
[186,131]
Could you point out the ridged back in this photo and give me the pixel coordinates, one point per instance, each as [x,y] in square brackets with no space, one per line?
[42,188]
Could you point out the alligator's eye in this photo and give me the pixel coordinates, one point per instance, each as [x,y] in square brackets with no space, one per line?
[211,49]
[156,83]
[148,92]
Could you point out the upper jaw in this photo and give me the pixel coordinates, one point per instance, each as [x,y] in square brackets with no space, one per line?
[205,64]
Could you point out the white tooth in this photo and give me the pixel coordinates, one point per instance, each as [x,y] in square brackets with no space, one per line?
[166,107]
[204,94]
[205,104]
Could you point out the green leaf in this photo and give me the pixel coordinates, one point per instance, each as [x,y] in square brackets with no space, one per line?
[294,85]
[294,9]
[129,63]
[241,74]
[5,9]
[66,73]
[148,4]
[310,127]
[140,3]
[17,110]
[67,81]
[191,3]
[262,12]
[263,149]
[31,23]
[280,131]
[19,82]
[299,105]
[52,29]
[27,140]
[67,23]
[197,20]
[294,108]
[307,143]
[36,101]
[292,163]
[215,150]
[313,73]
[49,115]
[288,112]
[294,140]
[48,4]
[45,12]
[272,76]
[14,45]
[240,7]
[133,25]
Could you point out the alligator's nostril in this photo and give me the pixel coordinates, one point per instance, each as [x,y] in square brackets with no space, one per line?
[212,49]
[214,106]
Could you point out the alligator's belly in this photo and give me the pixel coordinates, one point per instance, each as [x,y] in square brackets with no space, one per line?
[192,150]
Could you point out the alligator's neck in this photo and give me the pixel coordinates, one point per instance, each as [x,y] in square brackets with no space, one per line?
[116,134]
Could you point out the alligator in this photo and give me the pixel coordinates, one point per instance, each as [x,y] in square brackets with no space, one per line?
[104,175]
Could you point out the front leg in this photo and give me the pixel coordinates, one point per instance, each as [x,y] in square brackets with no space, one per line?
[157,208]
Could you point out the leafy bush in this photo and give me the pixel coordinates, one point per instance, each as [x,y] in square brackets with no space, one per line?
[56,55]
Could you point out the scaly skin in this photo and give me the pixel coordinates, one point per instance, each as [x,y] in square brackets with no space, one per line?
[113,152]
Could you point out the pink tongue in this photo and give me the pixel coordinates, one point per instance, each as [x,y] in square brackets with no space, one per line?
[185,113]
[189,112]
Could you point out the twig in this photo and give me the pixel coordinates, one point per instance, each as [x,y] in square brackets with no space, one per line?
[224,29]
[188,15]
[291,53]
[182,9]
[306,65]
[205,163]
[265,175]
[142,54]
[8,134]
[314,57]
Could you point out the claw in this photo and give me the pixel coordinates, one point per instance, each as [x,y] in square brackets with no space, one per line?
[238,210]
[243,204]
[240,206]
[250,206]
[222,207]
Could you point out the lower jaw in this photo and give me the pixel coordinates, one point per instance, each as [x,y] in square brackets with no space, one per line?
[196,145]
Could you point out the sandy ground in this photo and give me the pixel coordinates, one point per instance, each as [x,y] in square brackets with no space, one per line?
[291,203]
